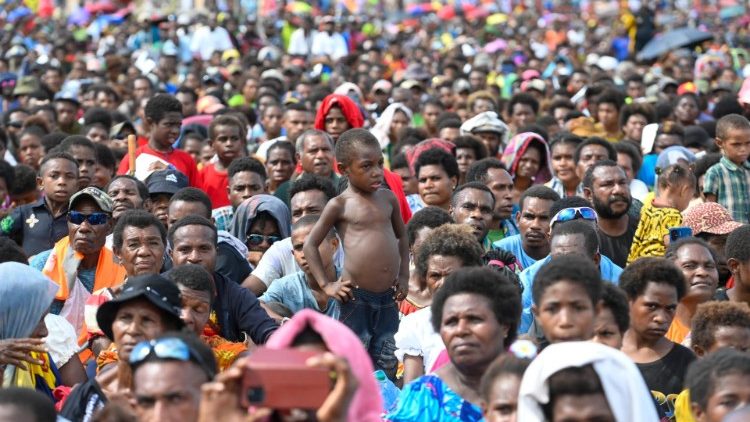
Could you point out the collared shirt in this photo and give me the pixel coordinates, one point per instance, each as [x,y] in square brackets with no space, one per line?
[223,217]
[415,202]
[730,183]
[556,185]
[34,227]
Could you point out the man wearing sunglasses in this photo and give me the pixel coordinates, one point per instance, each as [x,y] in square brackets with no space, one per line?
[606,186]
[80,263]
[168,373]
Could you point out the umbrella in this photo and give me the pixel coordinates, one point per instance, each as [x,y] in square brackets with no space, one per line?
[495,46]
[668,41]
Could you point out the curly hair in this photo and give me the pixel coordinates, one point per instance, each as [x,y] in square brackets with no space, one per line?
[575,269]
[471,142]
[502,294]
[636,276]
[309,181]
[738,244]
[449,240]
[712,315]
[437,157]
[161,104]
[614,299]
[431,217]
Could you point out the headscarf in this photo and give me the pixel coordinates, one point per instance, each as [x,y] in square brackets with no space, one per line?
[249,210]
[626,392]
[382,128]
[518,146]
[367,404]
[348,107]
[26,295]
[413,154]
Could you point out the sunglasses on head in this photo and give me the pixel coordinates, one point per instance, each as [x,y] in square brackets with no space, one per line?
[258,239]
[95,218]
[170,348]
[569,214]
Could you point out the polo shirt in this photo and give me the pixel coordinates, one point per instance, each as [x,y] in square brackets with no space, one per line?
[34,227]
[181,160]
[730,183]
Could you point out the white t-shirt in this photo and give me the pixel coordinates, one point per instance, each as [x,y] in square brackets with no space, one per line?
[333,46]
[278,261]
[416,337]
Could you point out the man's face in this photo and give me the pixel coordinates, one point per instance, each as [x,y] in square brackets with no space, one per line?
[577,81]
[53,79]
[272,121]
[501,185]
[590,154]
[142,250]
[195,244]
[180,209]
[533,222]
[309,202]
[196,308]
[449,133]
[105,100]
[188,104]
[243,185]
[87,238]
[168,391]
[474,207]
[636,89]
[66,113]
[317,156]
[295,122]
[610,192]
[160,207]
[522,115]
[141,89]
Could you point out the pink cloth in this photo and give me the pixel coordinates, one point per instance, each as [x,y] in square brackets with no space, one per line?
[442,360]
[367,404]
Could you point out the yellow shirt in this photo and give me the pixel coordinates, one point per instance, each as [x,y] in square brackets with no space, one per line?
[653,226]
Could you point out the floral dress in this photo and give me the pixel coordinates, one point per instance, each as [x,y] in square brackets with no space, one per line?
[428,398]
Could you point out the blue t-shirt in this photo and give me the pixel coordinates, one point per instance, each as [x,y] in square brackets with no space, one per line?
[608,269]
[293,292]
[514,245]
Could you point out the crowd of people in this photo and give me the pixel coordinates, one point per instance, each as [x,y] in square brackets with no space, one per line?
[490,211]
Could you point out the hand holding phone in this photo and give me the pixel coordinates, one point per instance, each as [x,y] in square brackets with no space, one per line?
[676,233]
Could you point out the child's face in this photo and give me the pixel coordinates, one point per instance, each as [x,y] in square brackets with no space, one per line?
[736,145]
[365,169]
[327,248]
[193,147]
[59,180]
[502,403]
[652,312]
[227,142]
[166,131]
[566,313]
[562,162]
[31,150]
[26,198]
[606,330]
[730,392]
[736,337]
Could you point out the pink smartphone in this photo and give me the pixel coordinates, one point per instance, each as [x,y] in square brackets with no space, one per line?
[281,379]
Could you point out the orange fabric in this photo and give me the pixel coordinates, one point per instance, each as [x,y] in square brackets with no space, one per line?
[677,332]
[108,274]
[407,307]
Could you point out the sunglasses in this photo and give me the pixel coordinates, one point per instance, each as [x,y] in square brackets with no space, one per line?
[258,239]
[569,214]
[95,218]
[167,348]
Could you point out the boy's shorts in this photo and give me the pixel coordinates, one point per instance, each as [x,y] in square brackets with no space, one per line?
[374,319]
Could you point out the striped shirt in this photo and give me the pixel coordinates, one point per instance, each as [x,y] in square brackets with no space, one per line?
[556,185]
[731,185]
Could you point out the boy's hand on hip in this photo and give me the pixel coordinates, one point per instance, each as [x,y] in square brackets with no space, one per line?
[340,290]
[401,287]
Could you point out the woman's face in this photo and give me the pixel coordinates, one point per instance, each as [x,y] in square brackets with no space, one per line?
[136,321]
[258,237]
[528,165]
[665,141]
[439,267]
[435,187]
[465,158]
[700,272]
[336,123]
[563,164]
[687,111]
[502,403]
[470,331]
[399,121]
[40,331]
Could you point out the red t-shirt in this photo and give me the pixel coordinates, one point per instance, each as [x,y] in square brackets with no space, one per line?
[215,185]
[180,159]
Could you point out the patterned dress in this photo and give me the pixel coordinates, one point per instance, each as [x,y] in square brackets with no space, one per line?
[428,398]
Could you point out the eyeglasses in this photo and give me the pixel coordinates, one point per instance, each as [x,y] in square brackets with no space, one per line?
[168,348]
[258,239]
[569,214]
[95,218]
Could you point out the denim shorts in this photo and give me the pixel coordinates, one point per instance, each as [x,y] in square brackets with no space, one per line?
[374,319]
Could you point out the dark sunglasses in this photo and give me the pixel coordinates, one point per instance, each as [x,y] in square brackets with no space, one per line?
[95,218]
[569,214]
[171,348]
[258,239]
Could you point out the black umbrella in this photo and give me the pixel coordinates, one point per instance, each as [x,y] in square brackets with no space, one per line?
[672,40]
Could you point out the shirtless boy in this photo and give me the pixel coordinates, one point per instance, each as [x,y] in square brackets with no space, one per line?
[368,220]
